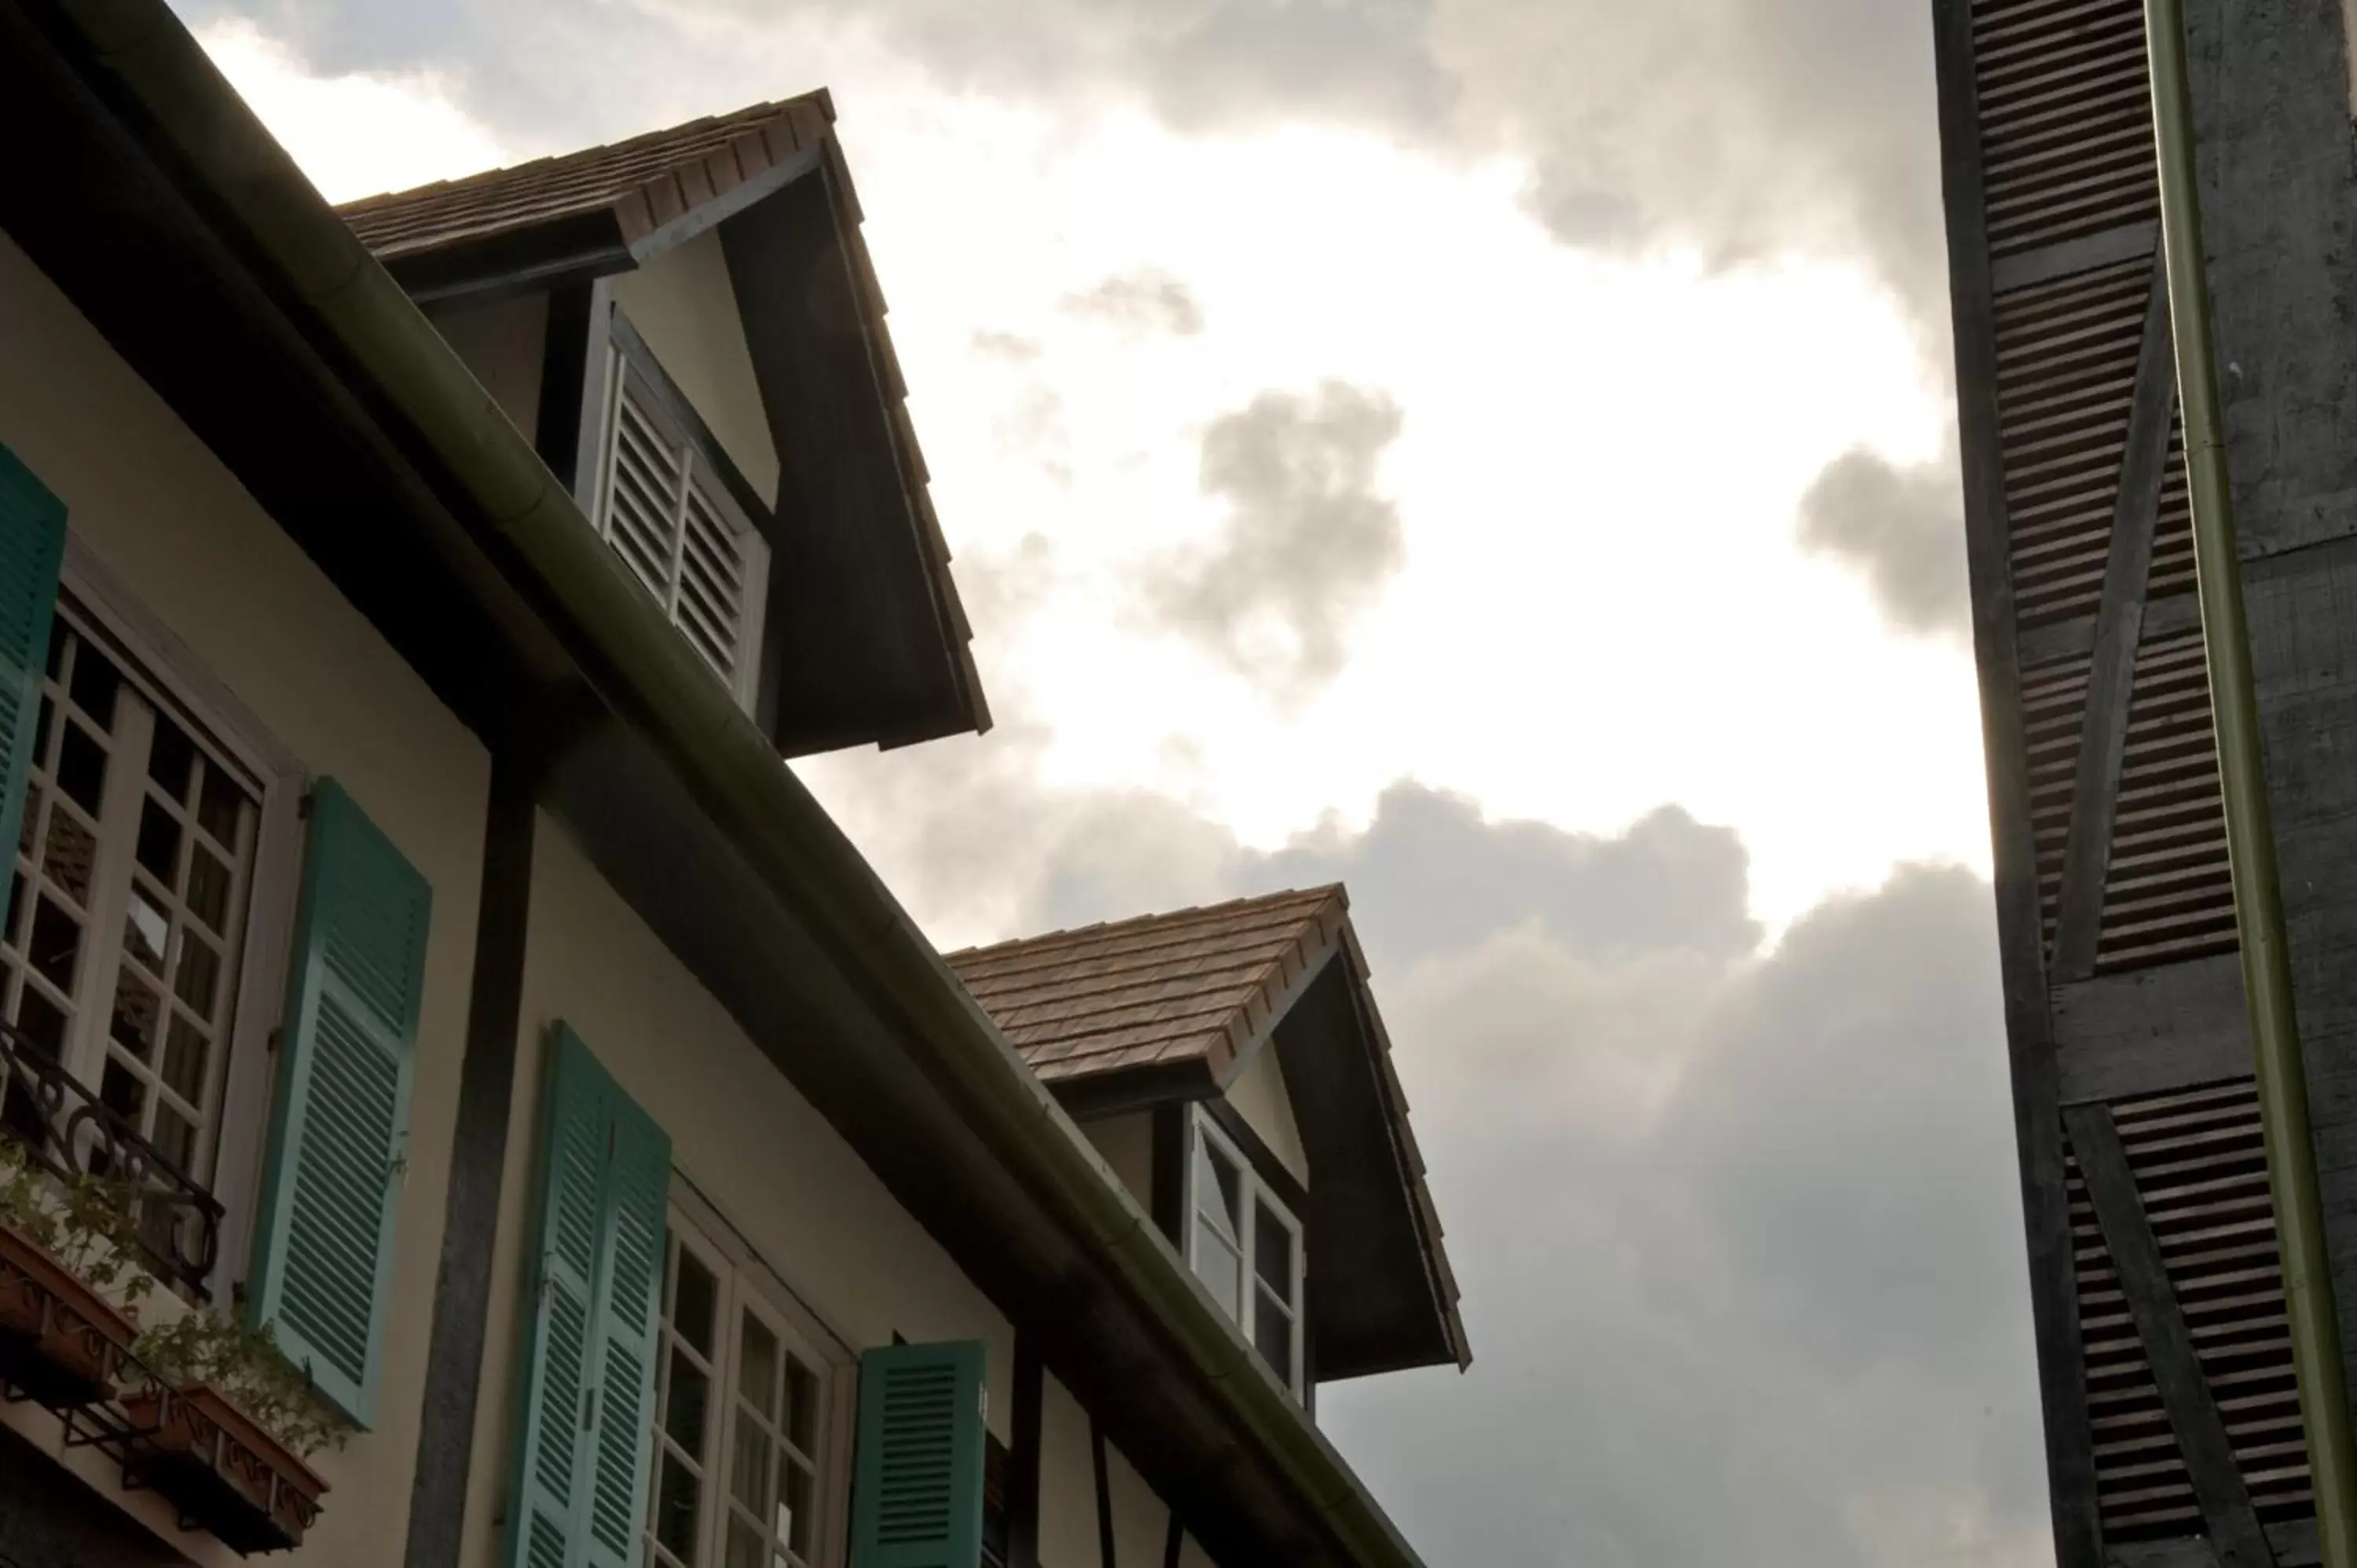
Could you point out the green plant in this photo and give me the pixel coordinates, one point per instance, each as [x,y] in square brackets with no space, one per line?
[89,1224]
[243,1364]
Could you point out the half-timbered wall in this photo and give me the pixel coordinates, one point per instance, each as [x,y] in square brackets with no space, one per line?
[2171,1414]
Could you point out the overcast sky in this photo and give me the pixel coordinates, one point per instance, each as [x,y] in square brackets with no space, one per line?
[1496,453]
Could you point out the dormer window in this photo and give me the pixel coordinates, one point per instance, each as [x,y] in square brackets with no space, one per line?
[662,505]
[1245,1246]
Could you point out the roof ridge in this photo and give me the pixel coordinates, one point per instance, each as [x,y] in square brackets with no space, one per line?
[1321,892]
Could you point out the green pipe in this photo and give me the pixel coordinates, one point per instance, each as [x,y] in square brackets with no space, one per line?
[2250,832]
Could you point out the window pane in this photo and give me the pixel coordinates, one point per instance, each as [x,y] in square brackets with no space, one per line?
[801,1405]
[208,882]
[1273,1335]
[675,1507]
[698,1299]
[184,1060]
[220,804]
[95,684]
[159,843]
[121,1092]
[1219,1266]
[757,1368]
[146,931]
[745,1547]
[70,854]
[81,767]
[138,1010]
[794,1510]
[690,1397]
[198,980]
[57,943]
[1273,1251]
[1217,1190]
[748,1467]
[171,759]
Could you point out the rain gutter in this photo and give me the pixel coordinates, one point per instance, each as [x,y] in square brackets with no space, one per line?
[648,675]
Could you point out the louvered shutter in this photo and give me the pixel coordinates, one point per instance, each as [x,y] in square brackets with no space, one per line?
[676,532]
[339,1130]
[578,1471]
[32,544]
[916,1500]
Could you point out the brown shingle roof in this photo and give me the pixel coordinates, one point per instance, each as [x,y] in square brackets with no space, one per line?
[1195,984]
[647,181]
[1198,986]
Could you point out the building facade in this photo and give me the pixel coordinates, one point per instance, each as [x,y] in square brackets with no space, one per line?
[2171,1413]
[404,614]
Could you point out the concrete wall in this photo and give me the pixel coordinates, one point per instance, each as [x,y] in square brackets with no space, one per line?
[503,343]
[2280,198]
[683,306]
[1259,1096]
[187,542]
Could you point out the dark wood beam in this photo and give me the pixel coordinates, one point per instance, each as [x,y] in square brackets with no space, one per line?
[462,1287]
[2151,1031]
[1023,1455]
[2119,627]
[2038,1127]
[2084,254]
[2202,1440]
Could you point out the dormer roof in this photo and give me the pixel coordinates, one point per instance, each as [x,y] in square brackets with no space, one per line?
[1171,1007]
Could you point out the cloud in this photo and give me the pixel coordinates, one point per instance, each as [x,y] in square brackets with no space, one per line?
[1903,528]
[416,131]
[1140,302]
[1742,128]
[1307,543]
[1737,1228]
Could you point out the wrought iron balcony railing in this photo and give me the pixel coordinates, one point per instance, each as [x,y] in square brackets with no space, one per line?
[70,1133]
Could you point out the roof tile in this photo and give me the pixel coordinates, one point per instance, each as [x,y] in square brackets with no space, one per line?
[1193,985]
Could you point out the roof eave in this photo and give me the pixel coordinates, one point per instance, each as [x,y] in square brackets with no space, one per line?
[245,188]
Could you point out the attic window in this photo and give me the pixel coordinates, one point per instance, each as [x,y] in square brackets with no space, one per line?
[661,506]
[1245,1246]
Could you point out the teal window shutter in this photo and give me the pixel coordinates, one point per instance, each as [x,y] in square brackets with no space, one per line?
[578,1474]
[32,547]
[916,1498]
[339,1129]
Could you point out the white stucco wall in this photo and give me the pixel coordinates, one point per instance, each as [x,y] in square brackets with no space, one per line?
[684,307]
[1068,1495]
[1259,1095]
[502,342]
[1126,1143]
[188,541]
[805,1203]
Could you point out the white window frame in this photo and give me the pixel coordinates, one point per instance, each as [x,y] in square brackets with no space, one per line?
[745,1282]
[698,481]
[1202,1133]
[150,653]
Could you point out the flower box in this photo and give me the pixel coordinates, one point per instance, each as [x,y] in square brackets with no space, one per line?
[61,1343]
[225,1473]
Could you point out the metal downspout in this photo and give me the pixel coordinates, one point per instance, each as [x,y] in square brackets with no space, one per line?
[2250,832]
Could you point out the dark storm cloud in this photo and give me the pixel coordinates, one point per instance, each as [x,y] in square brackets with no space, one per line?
[1736,1230]
[1308,542]
[1903,528]
[1142,302]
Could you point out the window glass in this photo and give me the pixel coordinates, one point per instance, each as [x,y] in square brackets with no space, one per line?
[758,1509]
[127,900]
[1235,1218]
